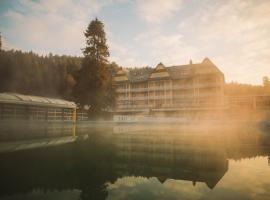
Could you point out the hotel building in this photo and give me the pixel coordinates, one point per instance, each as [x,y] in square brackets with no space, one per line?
[175,90]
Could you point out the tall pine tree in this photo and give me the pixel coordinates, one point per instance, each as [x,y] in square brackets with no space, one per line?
[0,42]
[93,83]
[96,47]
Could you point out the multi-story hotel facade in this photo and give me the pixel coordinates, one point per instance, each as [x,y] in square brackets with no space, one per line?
[174,91]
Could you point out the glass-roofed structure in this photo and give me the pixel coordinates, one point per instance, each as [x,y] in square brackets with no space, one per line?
[25,107]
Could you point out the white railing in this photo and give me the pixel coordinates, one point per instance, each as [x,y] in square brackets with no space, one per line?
[180,96]
[121,90]
[143,98]
[138,89]
[172,106]
[196,95]
[139,98]
[158,88]
[133,106]
[190,86]
[132,98]
[175,87]
[132,90]
[122,98]
[159,97]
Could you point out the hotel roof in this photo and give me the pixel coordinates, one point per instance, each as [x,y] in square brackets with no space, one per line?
[139,74]
[14,98]
[175,72]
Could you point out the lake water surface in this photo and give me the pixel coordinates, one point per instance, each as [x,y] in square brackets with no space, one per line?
[141,162]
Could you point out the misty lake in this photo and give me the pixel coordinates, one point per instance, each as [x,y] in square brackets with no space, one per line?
[113,161]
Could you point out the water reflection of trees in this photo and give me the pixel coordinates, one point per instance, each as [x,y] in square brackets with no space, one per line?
[85,166]
[89,165]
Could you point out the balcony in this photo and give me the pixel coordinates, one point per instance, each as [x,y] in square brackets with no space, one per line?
[159,97]
[120,90]
[151,97]
[146,89]
[191,86]
[175,106]
[133,106]
[132,90]
[139,98]
[132,98]
[158,88]
[168,87]
[174,96]
[201,95]
[122,98]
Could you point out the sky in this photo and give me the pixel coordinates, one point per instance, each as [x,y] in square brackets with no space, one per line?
[234,34]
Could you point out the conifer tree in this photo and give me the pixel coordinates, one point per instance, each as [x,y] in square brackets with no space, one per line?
[0,42]
[96,47]
[93,83]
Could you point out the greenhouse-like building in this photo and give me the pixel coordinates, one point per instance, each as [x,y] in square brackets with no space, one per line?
[25,107]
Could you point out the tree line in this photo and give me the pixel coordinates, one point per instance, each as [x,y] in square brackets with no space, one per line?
[238,89]
[31,74]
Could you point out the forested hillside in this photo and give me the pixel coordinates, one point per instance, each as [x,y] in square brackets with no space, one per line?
[29,73]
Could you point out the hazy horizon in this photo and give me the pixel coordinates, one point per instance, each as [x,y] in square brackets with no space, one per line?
[234,34]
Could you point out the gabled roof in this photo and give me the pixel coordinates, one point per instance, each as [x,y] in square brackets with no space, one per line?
[179,71]
[160,66]
[208,63]
[139,74]
[175,72]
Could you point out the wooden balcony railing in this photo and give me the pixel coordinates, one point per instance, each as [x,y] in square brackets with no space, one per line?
[175,87]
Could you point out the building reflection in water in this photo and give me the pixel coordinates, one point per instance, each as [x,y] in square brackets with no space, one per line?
[169,156]
[107,156]
[23,131]
[27,135]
